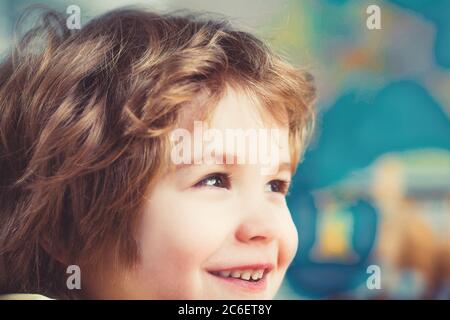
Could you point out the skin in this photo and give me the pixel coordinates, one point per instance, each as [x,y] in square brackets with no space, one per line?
[194,222]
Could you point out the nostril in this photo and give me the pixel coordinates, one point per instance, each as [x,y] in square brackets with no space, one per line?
[258,238]
[255,230]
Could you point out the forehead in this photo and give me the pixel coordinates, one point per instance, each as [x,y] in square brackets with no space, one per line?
[232,102]
[236,110]
[239,109]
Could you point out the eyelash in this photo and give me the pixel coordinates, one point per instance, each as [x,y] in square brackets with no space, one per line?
[225,178]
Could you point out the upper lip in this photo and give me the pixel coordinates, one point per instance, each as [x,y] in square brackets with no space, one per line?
[258,266]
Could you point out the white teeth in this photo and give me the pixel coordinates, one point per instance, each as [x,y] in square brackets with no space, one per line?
[243,274]
[225,274]
[246,275]
[256,275]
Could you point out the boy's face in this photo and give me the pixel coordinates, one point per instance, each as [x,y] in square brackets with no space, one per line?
[205,223]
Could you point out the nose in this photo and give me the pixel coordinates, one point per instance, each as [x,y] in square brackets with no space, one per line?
[258,224]
[252,233]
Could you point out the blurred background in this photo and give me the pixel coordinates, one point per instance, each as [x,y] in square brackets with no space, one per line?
[371,199]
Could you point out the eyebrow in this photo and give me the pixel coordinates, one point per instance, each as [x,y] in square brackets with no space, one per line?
[283,166]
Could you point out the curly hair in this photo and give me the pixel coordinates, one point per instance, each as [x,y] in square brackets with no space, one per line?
[84,122]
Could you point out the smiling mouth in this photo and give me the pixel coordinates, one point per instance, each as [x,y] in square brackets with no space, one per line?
[250,279]
[251,275]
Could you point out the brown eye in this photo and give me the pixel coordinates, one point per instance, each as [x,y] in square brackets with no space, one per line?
[279,186]
[218,180]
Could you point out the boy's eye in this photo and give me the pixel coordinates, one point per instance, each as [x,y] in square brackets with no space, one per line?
[279,186]
[218,180]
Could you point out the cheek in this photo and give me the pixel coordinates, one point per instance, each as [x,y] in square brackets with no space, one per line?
[190,229]
[176,240]
[289,241]
[287,248]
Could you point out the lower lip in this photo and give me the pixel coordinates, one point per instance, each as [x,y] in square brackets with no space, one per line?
[250,286]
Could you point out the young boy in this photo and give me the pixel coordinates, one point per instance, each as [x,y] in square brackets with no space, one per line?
[90,169]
